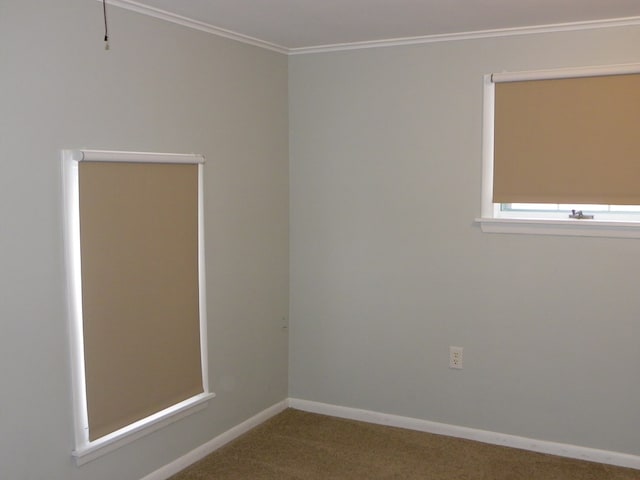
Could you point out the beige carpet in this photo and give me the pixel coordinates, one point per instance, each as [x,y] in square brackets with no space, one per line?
[296,445]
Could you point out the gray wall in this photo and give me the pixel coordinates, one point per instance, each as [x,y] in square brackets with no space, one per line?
[388,268]
[162,87]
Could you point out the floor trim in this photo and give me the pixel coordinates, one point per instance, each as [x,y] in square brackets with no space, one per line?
[217,442]
[484,436]
[494,438]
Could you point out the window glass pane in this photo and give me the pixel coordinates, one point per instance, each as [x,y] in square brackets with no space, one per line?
[584,207]
[531,206]
[625,208]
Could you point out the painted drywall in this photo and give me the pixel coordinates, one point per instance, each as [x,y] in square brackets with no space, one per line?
[388,268]
[161,87]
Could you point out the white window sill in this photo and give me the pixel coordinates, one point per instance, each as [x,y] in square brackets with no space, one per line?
[578,228]
[92,450]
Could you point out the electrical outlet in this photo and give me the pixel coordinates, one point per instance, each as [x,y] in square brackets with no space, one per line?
[455,357]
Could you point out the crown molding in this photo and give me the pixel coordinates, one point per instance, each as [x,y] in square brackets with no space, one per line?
[447,37]
[195,24]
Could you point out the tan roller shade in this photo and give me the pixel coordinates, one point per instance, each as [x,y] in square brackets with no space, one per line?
[139,254]
[572,140]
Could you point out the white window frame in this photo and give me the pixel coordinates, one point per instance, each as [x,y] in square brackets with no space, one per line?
[86,450]
[492,219]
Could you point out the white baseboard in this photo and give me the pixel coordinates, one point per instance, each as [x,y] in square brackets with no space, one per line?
[214,444]
[541,446]
[494,438]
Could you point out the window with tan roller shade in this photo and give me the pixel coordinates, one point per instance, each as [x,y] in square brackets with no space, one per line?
[568,140]
[140,289]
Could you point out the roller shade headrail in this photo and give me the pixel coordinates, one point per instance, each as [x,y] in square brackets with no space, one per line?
[594,71]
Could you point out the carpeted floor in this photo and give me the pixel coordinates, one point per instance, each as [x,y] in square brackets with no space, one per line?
[296,445]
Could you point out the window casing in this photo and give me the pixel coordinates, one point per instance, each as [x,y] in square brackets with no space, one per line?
[135,260]
[547,140]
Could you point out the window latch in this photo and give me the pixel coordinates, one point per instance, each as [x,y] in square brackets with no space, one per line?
[579,215]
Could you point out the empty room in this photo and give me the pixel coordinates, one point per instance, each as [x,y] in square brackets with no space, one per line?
[371,223]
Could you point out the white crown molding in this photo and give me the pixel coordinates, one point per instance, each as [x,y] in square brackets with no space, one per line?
[447,37]
[195,24]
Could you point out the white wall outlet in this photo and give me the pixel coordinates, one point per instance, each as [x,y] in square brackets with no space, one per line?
[455,357]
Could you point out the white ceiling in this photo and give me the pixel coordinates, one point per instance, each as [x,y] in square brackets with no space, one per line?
[309,23]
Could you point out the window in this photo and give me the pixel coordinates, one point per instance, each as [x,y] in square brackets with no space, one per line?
[557,142]
[135,256]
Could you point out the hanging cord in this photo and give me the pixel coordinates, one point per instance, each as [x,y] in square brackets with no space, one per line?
[106,28]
